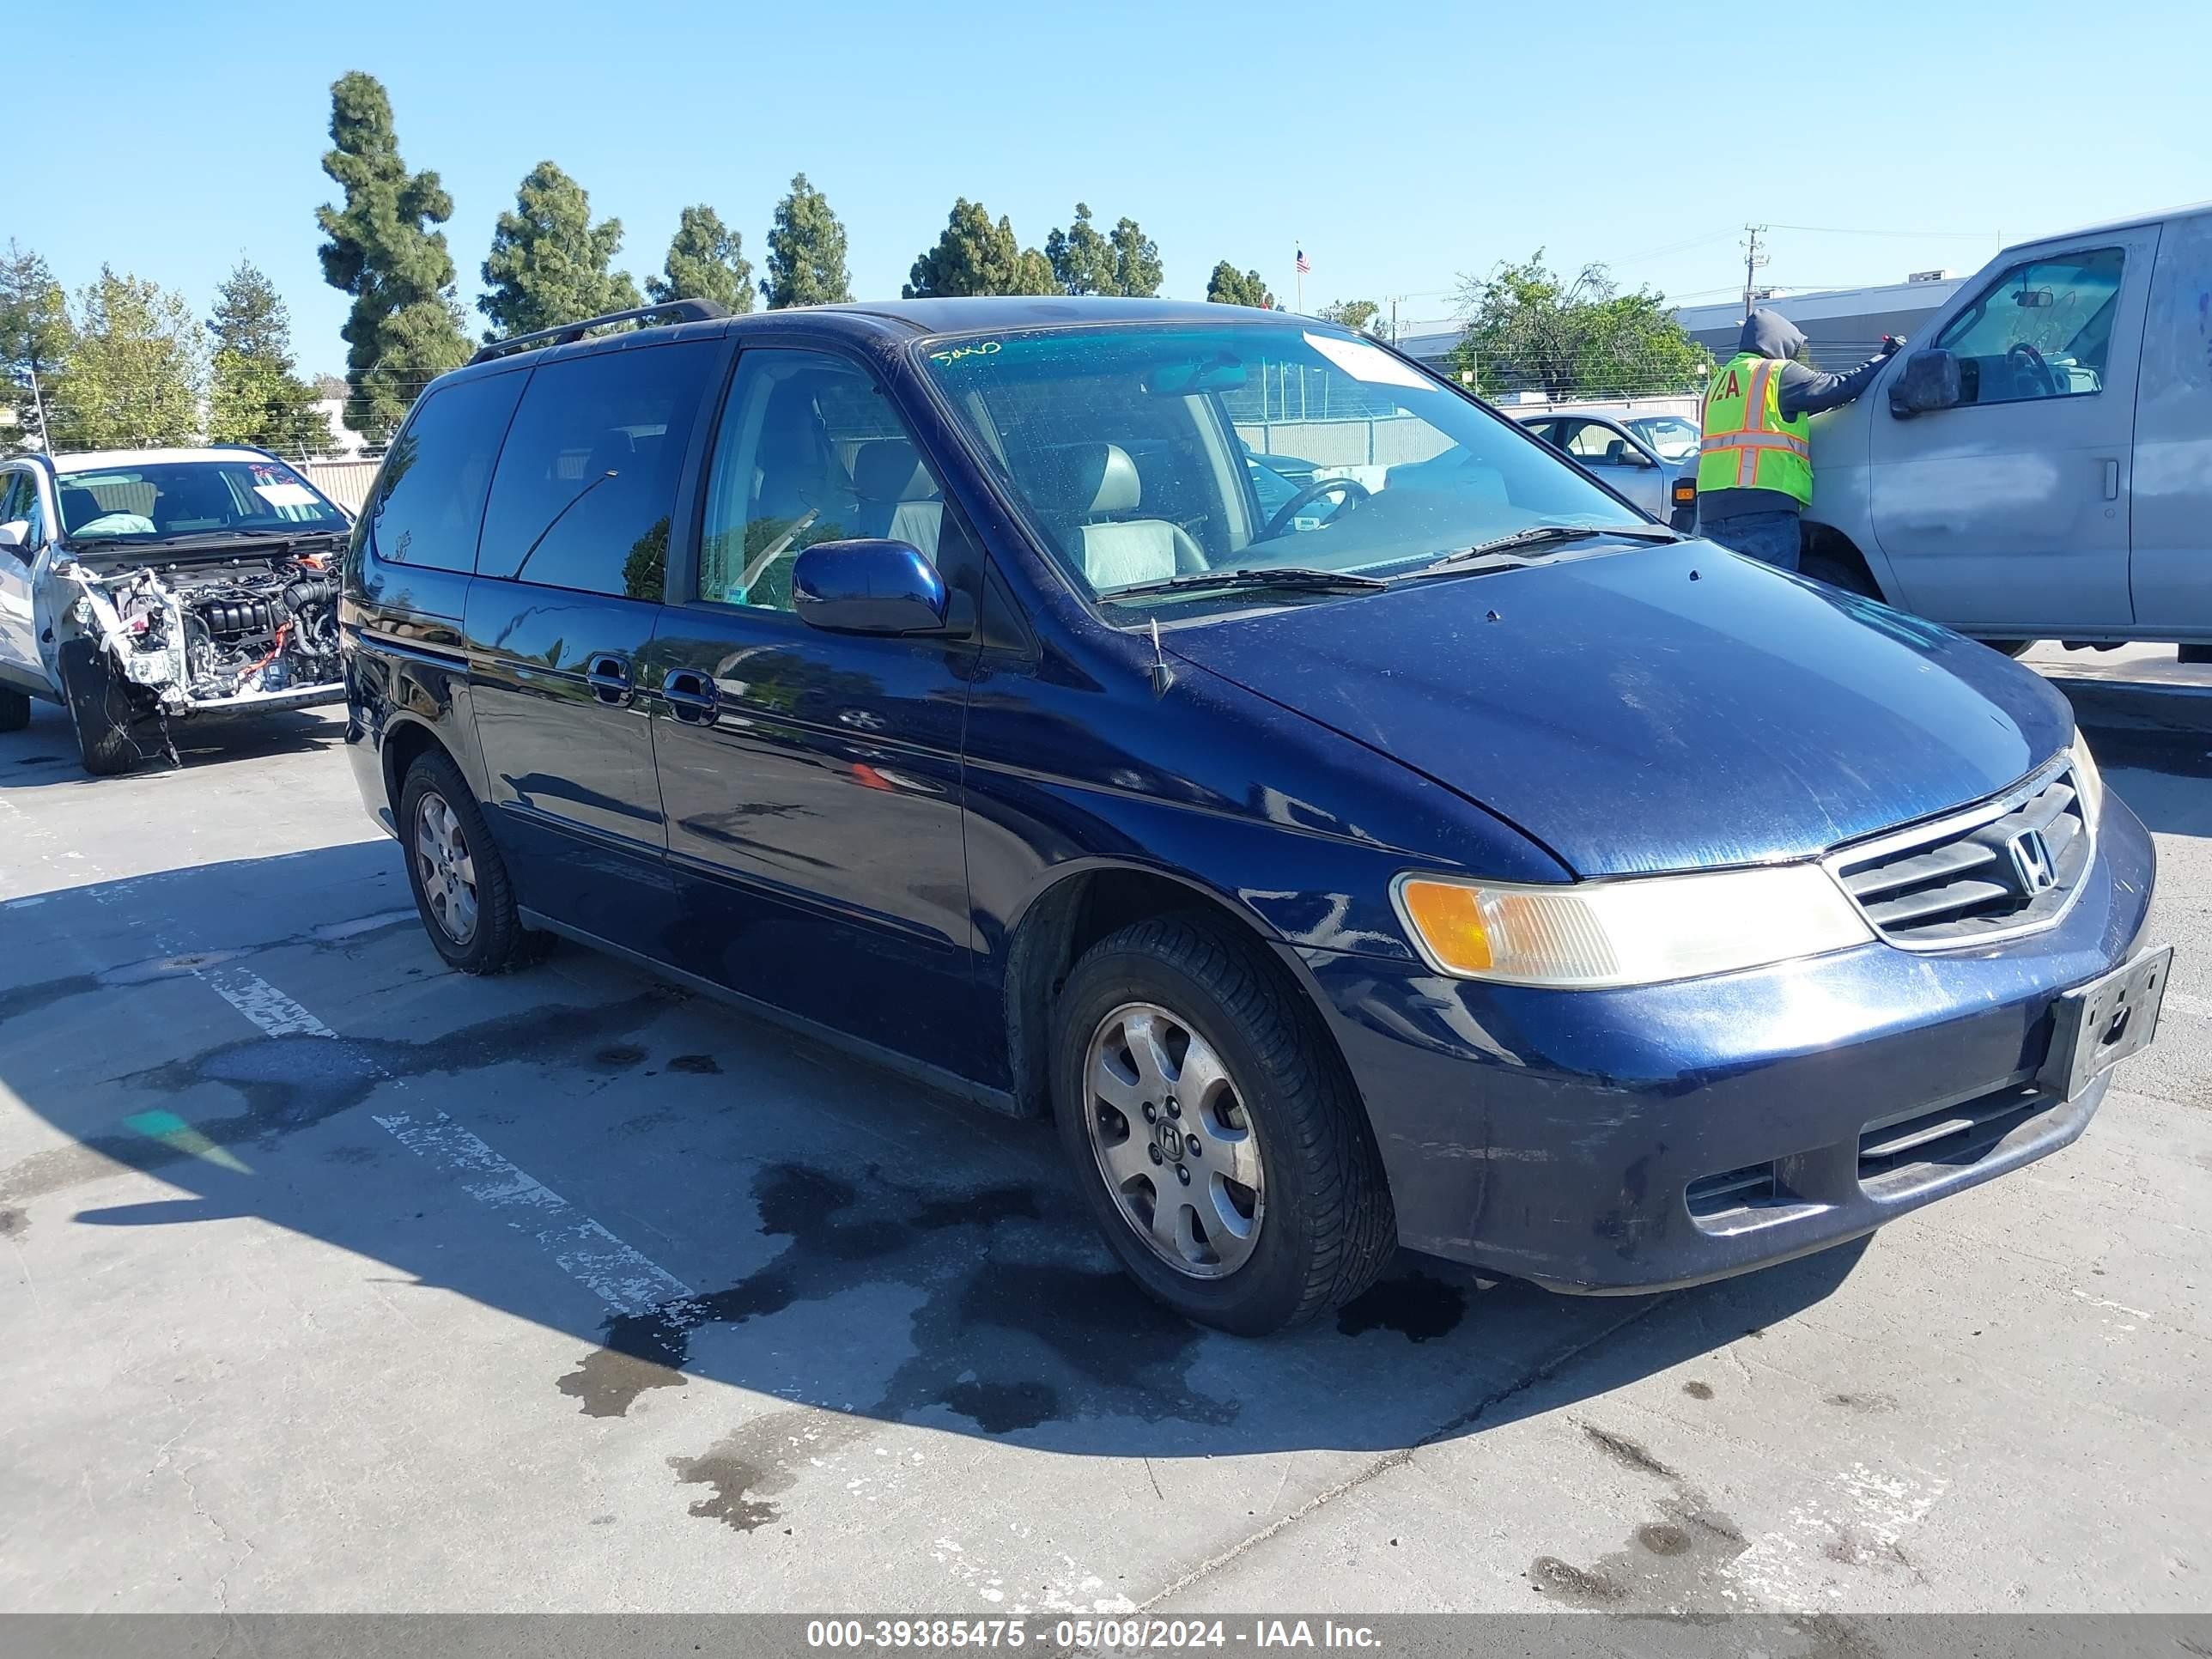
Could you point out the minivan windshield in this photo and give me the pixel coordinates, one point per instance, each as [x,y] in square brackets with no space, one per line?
[164,501]
[1142,452]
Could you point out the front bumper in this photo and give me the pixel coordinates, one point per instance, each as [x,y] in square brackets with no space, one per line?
[1637,1139]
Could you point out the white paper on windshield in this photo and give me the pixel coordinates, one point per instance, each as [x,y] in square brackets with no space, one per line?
[1365,363]
[285,495]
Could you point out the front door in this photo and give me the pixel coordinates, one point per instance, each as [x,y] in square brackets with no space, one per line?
[1617,459]
[569,573]
[811,780]
[19,637]
[2011,510]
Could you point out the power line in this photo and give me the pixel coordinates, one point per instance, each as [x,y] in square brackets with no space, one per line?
[1846,230]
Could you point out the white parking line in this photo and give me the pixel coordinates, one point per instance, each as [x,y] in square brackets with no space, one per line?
[622,1277]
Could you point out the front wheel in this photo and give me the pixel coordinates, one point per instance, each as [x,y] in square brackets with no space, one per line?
[1217,1140]
[99,709]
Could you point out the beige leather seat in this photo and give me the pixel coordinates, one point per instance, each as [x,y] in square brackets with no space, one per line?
[1099,485]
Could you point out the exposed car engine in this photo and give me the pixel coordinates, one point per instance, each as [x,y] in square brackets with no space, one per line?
[202,633]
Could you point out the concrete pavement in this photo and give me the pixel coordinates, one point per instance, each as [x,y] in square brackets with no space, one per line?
[335,1281]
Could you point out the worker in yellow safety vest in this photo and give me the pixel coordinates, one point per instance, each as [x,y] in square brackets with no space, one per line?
[1755,462]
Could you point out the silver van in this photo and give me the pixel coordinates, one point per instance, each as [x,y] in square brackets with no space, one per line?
[2038,465]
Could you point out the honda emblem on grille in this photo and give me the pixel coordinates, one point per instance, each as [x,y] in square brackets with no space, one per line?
[2031,862]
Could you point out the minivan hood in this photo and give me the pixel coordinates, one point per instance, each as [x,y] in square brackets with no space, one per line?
[1658,708]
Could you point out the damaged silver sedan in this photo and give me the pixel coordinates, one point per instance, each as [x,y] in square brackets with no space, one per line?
[141,588]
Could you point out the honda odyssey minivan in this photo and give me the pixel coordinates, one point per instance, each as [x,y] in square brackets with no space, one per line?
[1447,855]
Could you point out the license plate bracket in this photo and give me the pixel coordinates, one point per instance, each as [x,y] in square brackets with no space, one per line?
[2100,1023]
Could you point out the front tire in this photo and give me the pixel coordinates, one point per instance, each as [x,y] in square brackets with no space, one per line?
[1176,1034]
[460,881]
[98,708]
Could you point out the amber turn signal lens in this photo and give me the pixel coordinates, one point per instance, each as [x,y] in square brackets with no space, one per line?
[1449,918]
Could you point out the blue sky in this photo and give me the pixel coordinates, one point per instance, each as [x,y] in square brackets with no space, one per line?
[1400,145]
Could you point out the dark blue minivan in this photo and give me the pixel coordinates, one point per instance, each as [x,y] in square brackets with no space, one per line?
[1443,853]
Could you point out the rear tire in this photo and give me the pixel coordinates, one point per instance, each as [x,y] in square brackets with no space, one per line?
[460,882]
[2010,648]
[103,731]
[2181,653]
[1837,573]
[14,710]
[1314,1227]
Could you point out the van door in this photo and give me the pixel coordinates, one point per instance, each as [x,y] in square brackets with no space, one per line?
[812,779]
[569,574]
[2171,572]
[2010,511]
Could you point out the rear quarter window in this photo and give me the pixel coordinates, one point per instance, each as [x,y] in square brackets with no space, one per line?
[587,484]
[430,498]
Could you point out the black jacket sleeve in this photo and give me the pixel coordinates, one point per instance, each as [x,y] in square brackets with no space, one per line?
[1807,391]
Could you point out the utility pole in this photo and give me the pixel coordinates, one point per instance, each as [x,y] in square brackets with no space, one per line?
[1752,259]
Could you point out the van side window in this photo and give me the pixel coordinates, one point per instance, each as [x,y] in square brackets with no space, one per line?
[2043,329]
[430,495]
[809,450]
[587,484]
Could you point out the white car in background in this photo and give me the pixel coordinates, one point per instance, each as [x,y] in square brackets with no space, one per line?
[1638,454]
[138,588]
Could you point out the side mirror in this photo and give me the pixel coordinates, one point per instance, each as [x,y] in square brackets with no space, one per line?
[1930,381]
[868,587]
[14,533]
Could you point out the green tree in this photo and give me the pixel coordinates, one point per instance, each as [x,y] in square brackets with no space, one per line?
[1085,261]
[974,255]
[1229,287]
[254,396]
[706,261]
[133,376]
[406,326]
[1529,330]
[35,341]
[805,252]
[1351,314]
[549,263]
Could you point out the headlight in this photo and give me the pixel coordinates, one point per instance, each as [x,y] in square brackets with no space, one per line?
[1591,934]
[2088,781]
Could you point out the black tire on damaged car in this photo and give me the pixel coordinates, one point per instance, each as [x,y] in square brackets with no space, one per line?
[1328,1227]
[497,942]
[99,709]
[14,710]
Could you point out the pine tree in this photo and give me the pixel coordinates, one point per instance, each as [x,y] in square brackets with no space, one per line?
[1230,287]
[1085,261]
[35,341]
[406,325]
[548,263]
[133,376]
[254,396]
[974,255]
[706,261]
[805,252]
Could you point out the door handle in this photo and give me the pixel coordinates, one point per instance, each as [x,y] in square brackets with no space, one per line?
[691,696]
[2111,481]
[608,675]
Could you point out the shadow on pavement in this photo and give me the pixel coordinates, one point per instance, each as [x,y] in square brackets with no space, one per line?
[843,1239]
[45,751]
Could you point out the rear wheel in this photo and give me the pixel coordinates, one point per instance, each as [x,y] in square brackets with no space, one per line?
[2193,653]
[1218,1143]
[14,710]
[461,882]
[2010,648]
[1838,573]
[99,709]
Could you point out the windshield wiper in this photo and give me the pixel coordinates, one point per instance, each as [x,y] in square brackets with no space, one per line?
[1312,581]
[1540,535]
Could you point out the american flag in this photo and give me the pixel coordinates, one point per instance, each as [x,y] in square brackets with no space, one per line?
[1303,266]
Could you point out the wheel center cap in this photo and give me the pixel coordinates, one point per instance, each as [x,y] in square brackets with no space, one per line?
[1168,1138]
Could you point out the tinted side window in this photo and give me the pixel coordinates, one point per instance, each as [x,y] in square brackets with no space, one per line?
[587,483]
[430,498]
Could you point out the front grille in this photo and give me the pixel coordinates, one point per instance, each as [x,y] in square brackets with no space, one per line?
[2009,865]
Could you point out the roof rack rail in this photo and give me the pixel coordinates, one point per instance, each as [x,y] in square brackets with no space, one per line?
[681,311]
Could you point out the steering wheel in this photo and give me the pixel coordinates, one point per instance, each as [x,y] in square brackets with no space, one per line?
[2026,364]
[1351,489]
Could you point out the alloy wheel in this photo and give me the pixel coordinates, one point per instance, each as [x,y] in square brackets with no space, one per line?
[448,872]
[1173,1140]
